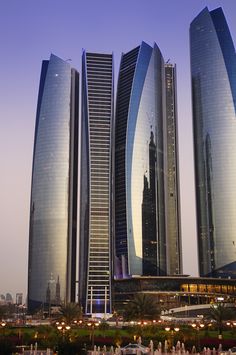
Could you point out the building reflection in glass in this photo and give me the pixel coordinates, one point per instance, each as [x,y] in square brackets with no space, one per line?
[149,231]
[140,238]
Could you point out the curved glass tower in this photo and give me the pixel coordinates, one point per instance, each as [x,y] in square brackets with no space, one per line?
[140,240]
[213,69]
[53,207]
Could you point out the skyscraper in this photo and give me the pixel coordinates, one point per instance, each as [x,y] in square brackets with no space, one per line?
[213,69]
[95,196]
[53,206]
[172,201]
[140,236]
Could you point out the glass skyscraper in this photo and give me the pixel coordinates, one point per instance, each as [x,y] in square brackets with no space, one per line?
[95,263]
[53,207]
[213,69]
[173,215]
[140,236]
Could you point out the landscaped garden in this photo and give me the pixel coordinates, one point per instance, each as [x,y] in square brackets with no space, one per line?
[69,333]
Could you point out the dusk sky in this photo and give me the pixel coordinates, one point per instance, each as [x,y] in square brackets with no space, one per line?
[30,30]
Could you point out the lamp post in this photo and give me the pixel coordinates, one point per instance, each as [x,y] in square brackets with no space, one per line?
[78,323]
[63,328]
[92,326]
[172,331]
[232,325]
[3,324]
[197,327]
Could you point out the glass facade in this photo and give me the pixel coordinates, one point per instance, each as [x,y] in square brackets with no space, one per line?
[53,207]
[140,238]
[213,69]
[95,195]
[173,225]
[171,292]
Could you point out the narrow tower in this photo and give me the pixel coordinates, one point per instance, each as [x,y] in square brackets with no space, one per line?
[173,215]
[95,196]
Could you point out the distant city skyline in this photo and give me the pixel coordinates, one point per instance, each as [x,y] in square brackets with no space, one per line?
[29,34]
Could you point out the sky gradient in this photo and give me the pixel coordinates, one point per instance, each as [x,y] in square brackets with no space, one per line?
[29,32]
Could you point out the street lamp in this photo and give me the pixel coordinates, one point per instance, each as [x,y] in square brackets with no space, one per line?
[172,331]
[3,325]
[142,323]
[63,328]
[77,322]
[92,326]
[197,327]
[231,324]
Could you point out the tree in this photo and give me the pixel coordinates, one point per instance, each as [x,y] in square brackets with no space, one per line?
[103,326]
[7,311]
[219,312]
[70,312]
[142,307]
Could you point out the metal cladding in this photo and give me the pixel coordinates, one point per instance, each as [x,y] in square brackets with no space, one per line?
[172,192]
[213,69]
[96,182]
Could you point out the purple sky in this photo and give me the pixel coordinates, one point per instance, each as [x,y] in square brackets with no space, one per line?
[29,32]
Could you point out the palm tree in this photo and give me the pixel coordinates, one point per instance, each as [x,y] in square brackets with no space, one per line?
[141,307]
[70,312]
[220,313]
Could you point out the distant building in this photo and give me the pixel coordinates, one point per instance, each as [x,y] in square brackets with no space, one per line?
[19,298]
[8,298]
[213,69]
[95,260]
[53,207]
